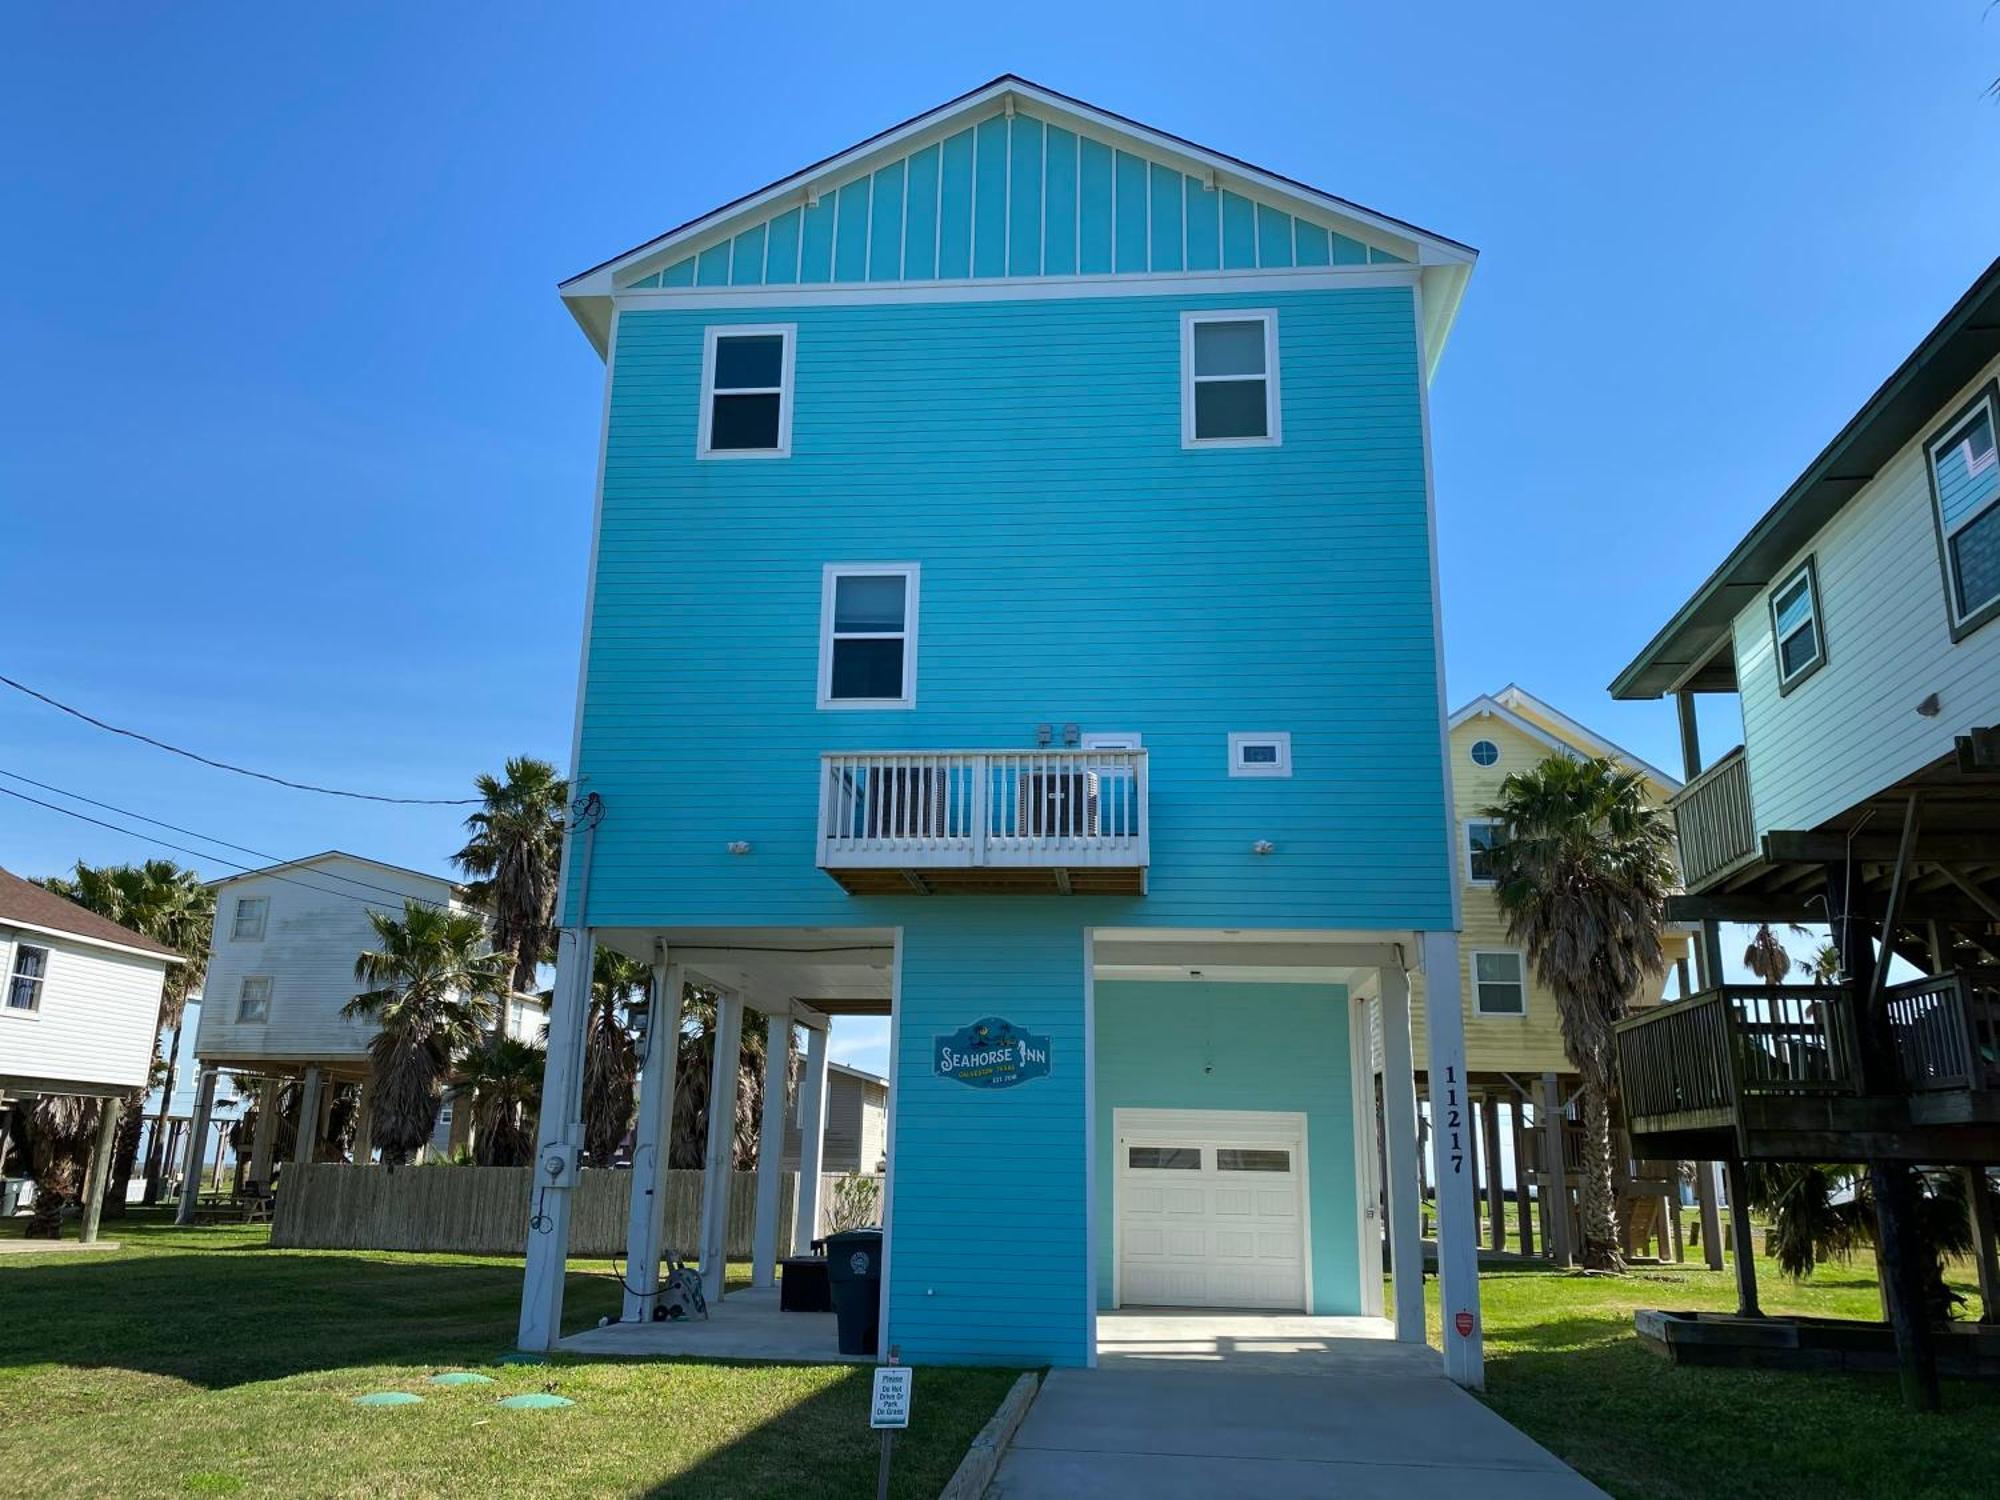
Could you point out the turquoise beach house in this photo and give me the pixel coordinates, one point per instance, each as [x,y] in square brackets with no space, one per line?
[1013,612]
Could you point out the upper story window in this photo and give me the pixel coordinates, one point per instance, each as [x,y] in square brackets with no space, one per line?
[1262,754]
[24,982]
[248,924]
[868,636]
[253,1000]
[1795,627]
[1485,753]
[1229,379]
[746,391]
[1965,488]
[1499,983]
[1482,837]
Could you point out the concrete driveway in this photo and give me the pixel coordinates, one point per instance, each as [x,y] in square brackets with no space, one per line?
[1360,1419]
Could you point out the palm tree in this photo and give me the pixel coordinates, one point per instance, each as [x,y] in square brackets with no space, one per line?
[1582,879]
[690,1124]
[62,1130]
[436,987]
[1823,967]
[502,1081]
[171,905]
[1766,956]
[1826,1212]
[610,1060]
[515,855]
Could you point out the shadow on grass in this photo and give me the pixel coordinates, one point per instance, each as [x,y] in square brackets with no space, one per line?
[216,1319]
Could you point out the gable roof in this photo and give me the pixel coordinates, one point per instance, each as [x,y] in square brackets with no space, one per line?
[1689,647]
[698,253]
[24,904]
[876,1079]
[1540,721]
[313,860]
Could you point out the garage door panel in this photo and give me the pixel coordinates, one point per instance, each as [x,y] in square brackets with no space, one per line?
[1205,1220]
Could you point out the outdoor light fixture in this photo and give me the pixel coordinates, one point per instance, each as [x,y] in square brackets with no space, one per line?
[1930,707]
[1263,846]
[739,846]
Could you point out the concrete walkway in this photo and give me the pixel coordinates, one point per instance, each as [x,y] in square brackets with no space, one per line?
[1386,1426]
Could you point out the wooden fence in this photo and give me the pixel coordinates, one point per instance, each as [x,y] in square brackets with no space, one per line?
[484,1210]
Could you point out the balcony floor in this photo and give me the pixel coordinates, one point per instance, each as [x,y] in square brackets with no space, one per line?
[988,880]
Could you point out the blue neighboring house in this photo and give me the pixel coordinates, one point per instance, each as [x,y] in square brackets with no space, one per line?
[1013,611]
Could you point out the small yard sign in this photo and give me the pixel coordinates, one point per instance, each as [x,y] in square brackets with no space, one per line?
[891,1407]
[991,1054]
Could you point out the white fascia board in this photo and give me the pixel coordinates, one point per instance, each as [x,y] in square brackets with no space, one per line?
[15,924]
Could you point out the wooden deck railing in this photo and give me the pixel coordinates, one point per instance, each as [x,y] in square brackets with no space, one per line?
[1710,1052]
[1946,1030]
[1713,821]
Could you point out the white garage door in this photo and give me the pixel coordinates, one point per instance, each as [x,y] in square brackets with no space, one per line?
[1211,1209]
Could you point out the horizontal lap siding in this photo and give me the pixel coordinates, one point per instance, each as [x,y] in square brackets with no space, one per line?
[989,1260]
[95,1022]
[1079,567]
[1852,728]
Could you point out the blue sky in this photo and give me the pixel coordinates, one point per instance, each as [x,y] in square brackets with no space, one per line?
[296,440]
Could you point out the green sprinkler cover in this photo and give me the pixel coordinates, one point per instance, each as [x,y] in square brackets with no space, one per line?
[537,1401]
[461,1377]
[388,1398]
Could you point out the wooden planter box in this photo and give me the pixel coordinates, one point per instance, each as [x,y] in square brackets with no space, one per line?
[1964,1350]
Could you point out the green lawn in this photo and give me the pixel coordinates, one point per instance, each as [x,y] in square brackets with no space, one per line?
[203,1362]
[1562,1363]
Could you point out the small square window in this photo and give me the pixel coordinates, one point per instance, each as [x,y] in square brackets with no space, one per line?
[1482,837]
[746,392]
[29,972]
[253,1000]
[1260,754]
[1795,627]
[1229,379]
[248,926]
[868,636]
[1499,983]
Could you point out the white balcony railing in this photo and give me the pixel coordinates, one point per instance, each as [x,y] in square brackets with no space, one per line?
[983,809]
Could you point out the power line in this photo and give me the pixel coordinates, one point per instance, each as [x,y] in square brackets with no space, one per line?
[223,765]
[206,838]
[147,838]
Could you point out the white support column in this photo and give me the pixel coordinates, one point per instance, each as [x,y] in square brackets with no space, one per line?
[364,1123]
[310,1088]
[264,1135]
[771,1146]
[1406,1186]
[558,1140]
[197,1147]
[109,1111]
[1369,1222]
[646,1231]
[1458,1247]
[719,1160]
[812,1140]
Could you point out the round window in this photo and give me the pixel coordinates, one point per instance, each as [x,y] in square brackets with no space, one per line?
[1484,752]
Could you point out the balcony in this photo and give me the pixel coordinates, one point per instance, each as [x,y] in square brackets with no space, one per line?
[1771,1072]
[1065,822]
[1712,818]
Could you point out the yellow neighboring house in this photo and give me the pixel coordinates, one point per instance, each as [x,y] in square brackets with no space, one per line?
[1514,1059]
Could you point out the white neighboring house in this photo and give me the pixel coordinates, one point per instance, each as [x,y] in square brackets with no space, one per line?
[857,1122]
[280,970]
[79,1011]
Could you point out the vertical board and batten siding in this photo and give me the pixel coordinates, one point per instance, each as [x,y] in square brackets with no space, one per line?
[1014,197]
[1237,1047]
[95,1024]
[314,929]
[1078,567]
[1851,728]
[855,1133]
[989,1259]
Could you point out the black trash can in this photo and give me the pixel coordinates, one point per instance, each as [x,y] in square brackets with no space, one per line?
[854,1275]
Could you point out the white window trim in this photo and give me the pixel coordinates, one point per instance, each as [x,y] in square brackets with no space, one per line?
[790,333]
[1282,738]
[10,954]
[912,575]
[1105,739]
[1805,573]
[1273,406]
[236,932]
[1472,984]
[1465,855]
[1472,753]
[1960,436]
[263,1020]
